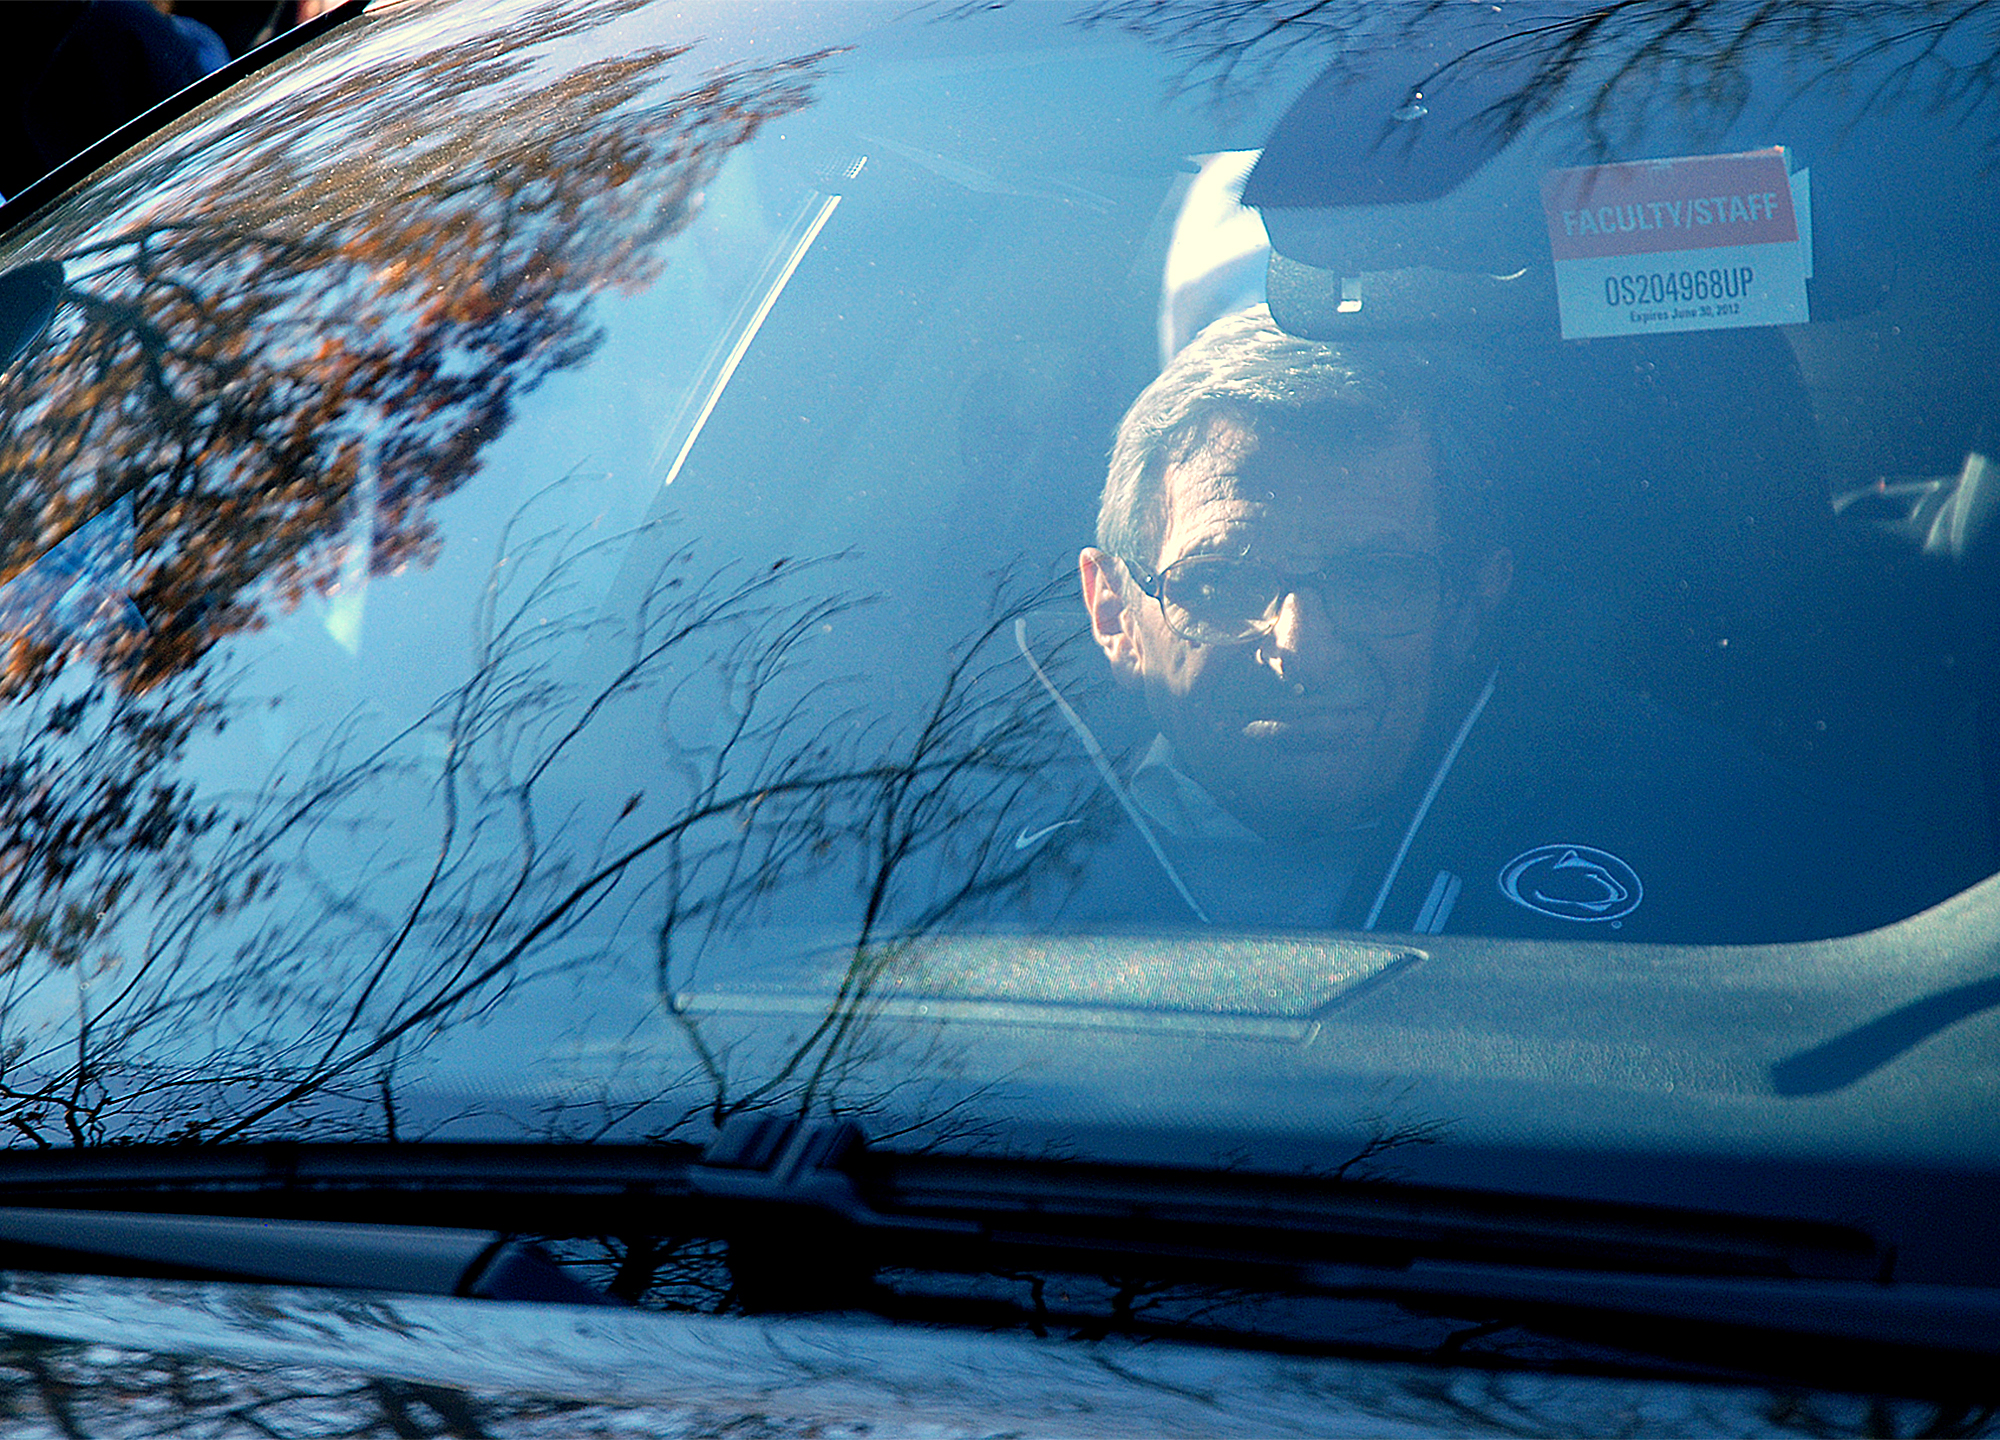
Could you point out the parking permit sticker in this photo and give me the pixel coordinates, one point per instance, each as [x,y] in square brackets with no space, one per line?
[1702,242]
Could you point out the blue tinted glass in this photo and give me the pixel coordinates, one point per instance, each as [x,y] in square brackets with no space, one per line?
[533,529]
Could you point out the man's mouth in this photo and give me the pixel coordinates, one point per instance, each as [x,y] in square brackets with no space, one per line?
[1316,725]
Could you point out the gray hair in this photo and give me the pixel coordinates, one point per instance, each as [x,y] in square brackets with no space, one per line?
[1244,368]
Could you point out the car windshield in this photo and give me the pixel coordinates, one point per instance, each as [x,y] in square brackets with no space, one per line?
[1377,578]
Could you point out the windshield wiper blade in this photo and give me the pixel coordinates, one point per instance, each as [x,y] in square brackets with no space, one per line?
[811,1215]
[1226,1219]
[767,1174]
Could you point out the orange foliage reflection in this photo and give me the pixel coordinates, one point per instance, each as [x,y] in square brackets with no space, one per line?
[306,346]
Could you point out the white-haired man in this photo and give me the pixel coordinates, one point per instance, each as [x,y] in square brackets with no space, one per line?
[1299,571]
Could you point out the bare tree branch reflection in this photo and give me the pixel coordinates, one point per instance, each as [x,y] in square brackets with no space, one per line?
[292,963]
[925,822]
[1234,48]
[1619,63]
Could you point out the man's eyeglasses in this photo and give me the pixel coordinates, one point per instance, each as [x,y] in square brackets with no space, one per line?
[1223,600]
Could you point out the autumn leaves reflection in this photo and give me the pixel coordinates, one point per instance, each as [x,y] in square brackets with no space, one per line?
[293,337]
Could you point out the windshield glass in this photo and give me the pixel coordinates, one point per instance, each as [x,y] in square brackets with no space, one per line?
[571,571]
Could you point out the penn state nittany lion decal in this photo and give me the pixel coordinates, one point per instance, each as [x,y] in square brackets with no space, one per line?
[1572,882]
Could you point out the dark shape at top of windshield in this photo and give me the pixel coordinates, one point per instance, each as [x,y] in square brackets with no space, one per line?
[29,295]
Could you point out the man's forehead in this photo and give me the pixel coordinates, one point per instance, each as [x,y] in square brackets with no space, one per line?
[1246,475]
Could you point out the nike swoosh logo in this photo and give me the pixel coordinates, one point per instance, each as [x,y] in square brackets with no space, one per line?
[1025,838]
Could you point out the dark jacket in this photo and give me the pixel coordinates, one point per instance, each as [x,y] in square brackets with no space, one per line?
[1597,816]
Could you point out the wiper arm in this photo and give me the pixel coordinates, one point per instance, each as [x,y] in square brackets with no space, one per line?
[408,1259]
[1747,1294]
[504,1185]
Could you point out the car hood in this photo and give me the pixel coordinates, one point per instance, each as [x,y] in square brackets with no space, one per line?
[108,1356]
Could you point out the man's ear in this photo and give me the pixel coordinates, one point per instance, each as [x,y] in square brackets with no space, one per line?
[1112,624]
[1491,581]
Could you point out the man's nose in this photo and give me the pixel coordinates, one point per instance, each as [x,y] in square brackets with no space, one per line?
[1304,645]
